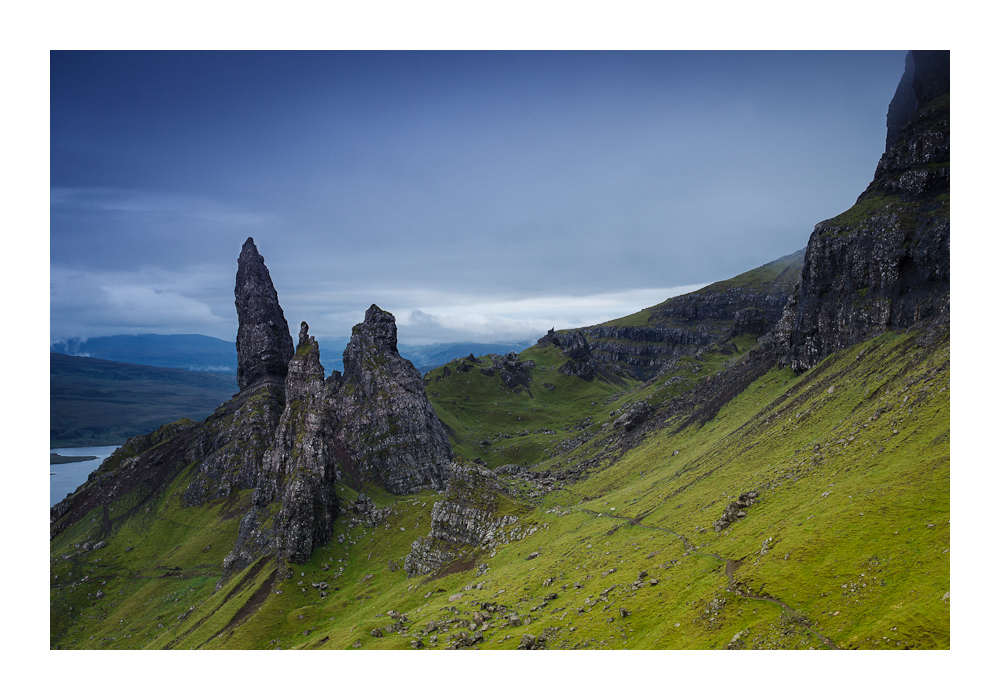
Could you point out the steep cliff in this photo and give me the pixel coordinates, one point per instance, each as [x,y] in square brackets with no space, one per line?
[748,303]
[884,264]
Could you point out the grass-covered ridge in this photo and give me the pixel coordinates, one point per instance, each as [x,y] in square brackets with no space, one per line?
[847,545]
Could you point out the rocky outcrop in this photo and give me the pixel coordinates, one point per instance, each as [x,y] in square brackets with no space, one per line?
[288,435]
[549,339]
[885,263]
[230,445]
[514,372]
[466,518]
[263,343]
[373,424]
[749,303]
[580,363]
[735,510]
[387,430]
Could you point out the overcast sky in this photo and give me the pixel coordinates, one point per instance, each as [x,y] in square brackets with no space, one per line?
[476,196]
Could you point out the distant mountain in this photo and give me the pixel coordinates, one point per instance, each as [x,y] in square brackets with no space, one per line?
[195,353]
[101,402]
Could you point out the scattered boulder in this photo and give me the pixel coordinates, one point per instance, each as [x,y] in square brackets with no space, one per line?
[735,510]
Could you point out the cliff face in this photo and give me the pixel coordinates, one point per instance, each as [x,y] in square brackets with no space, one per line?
[885,263]
[749,303]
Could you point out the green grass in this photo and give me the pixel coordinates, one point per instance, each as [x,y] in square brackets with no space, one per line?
[853,508]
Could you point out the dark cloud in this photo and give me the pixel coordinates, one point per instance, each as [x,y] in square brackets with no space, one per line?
[462,186]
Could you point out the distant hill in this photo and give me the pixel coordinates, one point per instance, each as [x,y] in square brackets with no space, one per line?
[428,357]
[101,402]
[196,353]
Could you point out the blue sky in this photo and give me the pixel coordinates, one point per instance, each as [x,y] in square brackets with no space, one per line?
[476,195]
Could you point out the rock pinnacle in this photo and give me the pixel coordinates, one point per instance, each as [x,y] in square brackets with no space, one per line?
[263,343]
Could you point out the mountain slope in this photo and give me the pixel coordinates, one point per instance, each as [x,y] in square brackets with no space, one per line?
[786,489]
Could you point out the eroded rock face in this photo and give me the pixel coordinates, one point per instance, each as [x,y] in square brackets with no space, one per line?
[465,517]
[885,263]
[288,433]
[231,443]
[294,502]
[684,324]
[512,370]
[386,424]
[579,362]
[263,343]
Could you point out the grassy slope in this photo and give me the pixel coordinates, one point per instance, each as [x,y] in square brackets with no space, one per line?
[851,532]
[476,407]
[100,402]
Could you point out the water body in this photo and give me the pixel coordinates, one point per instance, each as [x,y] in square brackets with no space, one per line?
[64,478]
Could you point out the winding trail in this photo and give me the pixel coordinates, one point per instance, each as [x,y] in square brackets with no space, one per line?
[731,566]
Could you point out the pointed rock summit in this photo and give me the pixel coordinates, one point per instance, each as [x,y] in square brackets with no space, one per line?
[387,424]
[263,343]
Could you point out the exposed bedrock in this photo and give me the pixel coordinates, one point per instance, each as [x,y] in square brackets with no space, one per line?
[263,343]
[386,423]
[885,263]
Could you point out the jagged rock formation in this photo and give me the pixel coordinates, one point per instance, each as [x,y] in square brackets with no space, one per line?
[513,371]
[298,471]
[885,263]
[549,339]
[288,434]
[373,424]
[387,430]
[466,518]
[263,343]
[580,362]
[229,447]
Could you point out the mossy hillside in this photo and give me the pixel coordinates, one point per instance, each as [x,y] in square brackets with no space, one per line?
[839,561]
[159,560]
[690,607]
[540,426]
[781,436]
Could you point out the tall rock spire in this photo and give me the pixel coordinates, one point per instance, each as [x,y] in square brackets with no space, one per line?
[263,343]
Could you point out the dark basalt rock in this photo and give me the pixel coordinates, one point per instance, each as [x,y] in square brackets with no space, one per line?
[465,518]
[289,434]
[885,263]
[386,425]
[750,320]
[263,343]
[580,362]
[513,372]
[296,484]
[685,324]
[549,339]
[927,74]
[735,510]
